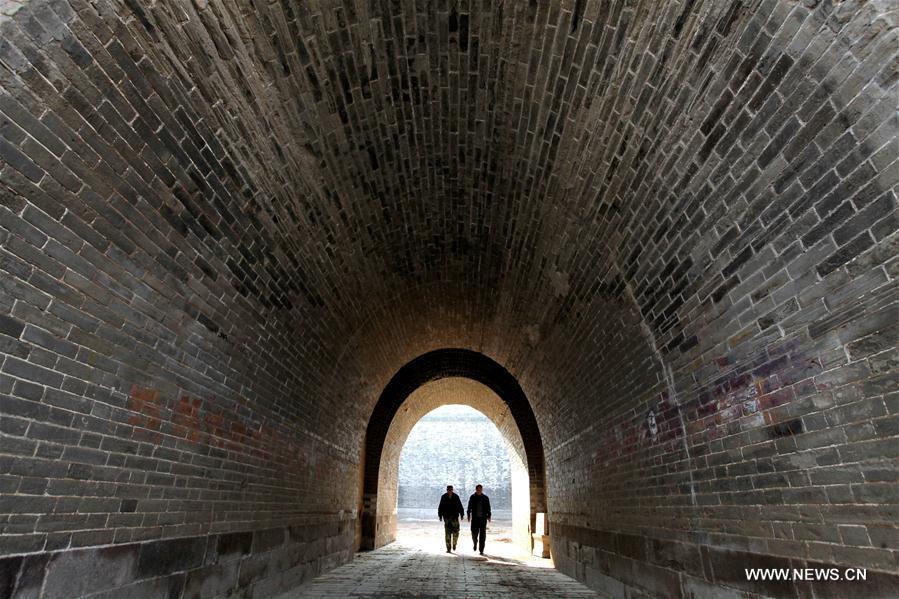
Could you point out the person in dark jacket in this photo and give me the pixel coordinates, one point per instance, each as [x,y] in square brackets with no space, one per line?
[450,511]
[479,516]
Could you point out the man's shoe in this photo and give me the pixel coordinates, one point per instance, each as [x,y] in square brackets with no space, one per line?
[482,553]
[448,551]
[474,547]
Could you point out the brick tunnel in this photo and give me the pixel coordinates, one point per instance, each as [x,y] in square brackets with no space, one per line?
[241,240]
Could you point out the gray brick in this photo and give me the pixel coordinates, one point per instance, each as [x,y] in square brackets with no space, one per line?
[216,254]
[25,370]
[10,326]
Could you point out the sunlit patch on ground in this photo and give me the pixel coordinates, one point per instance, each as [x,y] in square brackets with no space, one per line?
[416,566]
[415,532]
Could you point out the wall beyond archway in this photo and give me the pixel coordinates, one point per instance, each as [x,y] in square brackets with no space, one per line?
[434,379]
[428,397]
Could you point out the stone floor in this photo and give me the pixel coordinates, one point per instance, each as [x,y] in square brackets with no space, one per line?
[417,567]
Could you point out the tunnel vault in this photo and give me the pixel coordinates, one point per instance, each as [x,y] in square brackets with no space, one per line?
[227,225]
[376,525]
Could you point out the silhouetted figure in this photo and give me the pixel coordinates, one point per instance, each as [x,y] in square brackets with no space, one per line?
[479,516]
[450,511]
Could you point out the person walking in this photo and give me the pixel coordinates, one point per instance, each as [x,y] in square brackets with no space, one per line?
[479,516]
[450,511]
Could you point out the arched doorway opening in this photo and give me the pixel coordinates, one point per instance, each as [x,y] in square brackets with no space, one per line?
[466,392]
[433,379]
[455,444]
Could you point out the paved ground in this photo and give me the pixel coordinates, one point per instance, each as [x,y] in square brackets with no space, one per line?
[417,567]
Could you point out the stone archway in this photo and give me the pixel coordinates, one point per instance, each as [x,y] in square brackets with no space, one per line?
[389,425]
[432,395]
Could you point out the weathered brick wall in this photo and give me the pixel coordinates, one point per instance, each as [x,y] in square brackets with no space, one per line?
[261,563]
[753,229]
[149,371]
[224,226]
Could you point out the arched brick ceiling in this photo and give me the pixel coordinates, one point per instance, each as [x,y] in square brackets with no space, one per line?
[481,174]
[263,210]
[388,178]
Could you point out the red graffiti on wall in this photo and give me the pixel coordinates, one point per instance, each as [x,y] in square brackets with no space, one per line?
[186,419]
[146,418]
[195,420]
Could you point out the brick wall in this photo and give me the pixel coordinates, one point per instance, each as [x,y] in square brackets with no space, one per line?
[225,226]
[261,563]
[148,372]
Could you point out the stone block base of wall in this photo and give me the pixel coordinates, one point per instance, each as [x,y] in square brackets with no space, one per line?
[251,565]
[625,566]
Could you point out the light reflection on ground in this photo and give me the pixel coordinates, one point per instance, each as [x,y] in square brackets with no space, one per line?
[417,533]
[416,566]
